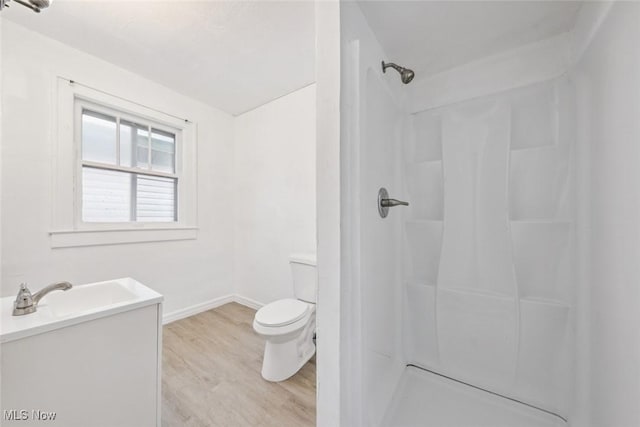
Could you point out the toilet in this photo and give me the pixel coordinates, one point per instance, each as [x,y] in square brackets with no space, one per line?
[288,325]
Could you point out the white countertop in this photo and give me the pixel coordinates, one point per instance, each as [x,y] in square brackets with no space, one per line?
[46,319]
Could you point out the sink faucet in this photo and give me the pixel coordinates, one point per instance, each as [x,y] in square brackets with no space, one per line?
[26,303]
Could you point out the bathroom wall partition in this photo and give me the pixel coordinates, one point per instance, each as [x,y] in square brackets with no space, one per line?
[488,250]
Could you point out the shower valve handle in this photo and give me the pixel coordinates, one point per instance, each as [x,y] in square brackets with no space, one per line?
[384,203]
[389,203]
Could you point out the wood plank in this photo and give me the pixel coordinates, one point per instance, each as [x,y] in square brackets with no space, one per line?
[211,375]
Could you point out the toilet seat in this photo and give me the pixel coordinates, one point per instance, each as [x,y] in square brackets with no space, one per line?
[281,313]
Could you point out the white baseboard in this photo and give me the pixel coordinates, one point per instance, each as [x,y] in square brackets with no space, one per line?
[195,309]
[247,302]
[208,305]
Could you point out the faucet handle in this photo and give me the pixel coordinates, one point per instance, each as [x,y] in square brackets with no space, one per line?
[24,298]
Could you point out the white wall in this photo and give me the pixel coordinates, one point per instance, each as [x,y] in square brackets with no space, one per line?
[186,272]
[1,128]
[330,310]
[608,85]
[274,197]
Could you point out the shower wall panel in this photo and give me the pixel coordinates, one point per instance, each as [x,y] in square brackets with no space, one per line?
[380,262]
[488,268]
[373,143]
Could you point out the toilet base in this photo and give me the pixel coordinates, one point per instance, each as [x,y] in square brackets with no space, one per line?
[284,356]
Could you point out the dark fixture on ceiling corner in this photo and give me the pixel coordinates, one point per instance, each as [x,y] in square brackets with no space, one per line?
[35,5]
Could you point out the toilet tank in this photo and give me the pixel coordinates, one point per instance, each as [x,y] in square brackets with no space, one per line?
[305,277]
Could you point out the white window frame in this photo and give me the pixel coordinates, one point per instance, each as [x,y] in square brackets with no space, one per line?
[68,228]
[84,105]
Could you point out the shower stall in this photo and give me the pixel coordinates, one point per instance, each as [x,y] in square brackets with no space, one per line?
[482,303]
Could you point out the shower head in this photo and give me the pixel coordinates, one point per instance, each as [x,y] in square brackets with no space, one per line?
[406,75]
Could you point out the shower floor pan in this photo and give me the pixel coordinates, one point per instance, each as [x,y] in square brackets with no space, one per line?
[426,399]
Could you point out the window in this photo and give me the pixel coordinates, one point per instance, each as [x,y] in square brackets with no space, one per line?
[128,168]
[124,172]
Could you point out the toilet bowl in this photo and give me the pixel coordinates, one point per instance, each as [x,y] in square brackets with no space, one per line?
[288,325]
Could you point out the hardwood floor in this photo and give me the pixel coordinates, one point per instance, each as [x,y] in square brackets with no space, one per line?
[211,375]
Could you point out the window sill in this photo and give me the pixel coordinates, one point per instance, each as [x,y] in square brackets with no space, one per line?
[101,237]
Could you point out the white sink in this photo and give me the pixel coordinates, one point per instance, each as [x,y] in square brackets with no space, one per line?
[81,303]
[86,352]
[86,298]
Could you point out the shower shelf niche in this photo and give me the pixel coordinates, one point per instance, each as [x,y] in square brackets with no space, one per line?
[424,221]
[411,281]
[414,163]
[554,303]
[541,253]
[532,149]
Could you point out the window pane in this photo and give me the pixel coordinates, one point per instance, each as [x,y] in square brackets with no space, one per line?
[142,148]
[98,137]
[127,131]
[163,147]
[106,195]
[156,199]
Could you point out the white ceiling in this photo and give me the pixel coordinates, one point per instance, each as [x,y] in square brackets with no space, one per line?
[432,36]
[233,55]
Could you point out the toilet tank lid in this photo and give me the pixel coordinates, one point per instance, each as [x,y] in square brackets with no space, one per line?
[309,259]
